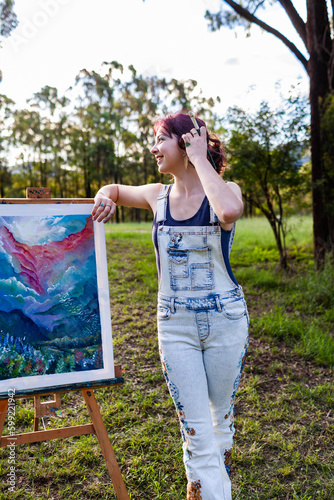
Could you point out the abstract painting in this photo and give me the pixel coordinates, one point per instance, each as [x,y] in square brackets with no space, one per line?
[55,326]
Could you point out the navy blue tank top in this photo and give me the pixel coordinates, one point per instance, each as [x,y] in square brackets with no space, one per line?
[201,218]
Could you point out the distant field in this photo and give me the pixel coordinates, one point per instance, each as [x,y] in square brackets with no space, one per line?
[254,240]
[254,230]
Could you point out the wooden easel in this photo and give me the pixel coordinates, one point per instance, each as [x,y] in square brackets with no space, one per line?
[44,408]
[96,427]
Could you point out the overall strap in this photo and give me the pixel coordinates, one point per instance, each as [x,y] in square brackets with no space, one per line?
[213,217]
[162,203]
[215,221]
[231,238]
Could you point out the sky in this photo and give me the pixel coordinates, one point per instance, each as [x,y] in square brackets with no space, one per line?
[167,38]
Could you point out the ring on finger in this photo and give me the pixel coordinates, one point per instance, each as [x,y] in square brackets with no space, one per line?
[187,144]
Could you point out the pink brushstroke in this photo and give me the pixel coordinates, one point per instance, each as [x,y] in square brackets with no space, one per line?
[36,263]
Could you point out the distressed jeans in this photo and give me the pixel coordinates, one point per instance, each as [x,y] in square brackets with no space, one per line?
[203,344]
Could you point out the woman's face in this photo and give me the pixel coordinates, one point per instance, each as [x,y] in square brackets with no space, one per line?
[167,152]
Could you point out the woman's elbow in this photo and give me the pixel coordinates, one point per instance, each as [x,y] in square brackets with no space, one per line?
[232,214]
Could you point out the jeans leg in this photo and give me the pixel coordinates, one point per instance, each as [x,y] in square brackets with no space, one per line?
[186,377]
[224,358]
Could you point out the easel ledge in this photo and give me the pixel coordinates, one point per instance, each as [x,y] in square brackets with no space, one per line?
[96,384]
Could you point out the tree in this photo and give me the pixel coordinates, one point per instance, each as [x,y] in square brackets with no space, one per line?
[94,147]
[32,131]
[104,136]
[6,112]
[266,159]
[54,132]
[317,38]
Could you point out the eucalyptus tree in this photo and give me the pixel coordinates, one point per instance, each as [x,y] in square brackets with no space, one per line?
[143,98]
[38,133]
[266,156]
[186,96]
[97,117]
[316,34]
[28,134]
[6,112]
[54,124]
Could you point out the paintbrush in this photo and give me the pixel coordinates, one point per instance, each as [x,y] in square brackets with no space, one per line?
[193,119]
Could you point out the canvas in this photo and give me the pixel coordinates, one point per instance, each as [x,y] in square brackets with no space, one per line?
[55,326]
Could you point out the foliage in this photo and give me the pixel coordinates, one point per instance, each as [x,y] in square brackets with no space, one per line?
[6,105]
[247,13]
[8,17]
[266,149]
[103,135]
[316,34]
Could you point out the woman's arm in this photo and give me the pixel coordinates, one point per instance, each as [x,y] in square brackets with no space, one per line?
[225,197]
[111,195]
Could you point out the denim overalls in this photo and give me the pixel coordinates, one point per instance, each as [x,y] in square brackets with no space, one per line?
[203,339]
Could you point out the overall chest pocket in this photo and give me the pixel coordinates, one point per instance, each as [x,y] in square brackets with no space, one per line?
[178,263]
[190,269]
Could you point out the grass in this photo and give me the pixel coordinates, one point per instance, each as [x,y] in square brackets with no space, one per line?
[284,421]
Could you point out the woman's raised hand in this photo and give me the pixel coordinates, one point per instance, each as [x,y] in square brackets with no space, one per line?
[196,144]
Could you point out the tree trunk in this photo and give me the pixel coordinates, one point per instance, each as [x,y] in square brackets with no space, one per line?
[319,87]
[117,207]
[2,190]
[88,190]
[283,261]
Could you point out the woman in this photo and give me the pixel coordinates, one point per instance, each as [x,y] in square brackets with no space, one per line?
[202,314]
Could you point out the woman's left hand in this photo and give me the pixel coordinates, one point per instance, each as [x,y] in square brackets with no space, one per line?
[104,208]
[196,145]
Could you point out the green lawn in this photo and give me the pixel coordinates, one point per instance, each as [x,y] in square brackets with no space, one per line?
[284,409]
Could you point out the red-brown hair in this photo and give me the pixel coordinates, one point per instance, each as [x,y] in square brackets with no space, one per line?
[181,123]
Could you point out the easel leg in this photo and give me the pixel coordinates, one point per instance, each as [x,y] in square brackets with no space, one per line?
[107,450]
[36,419]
